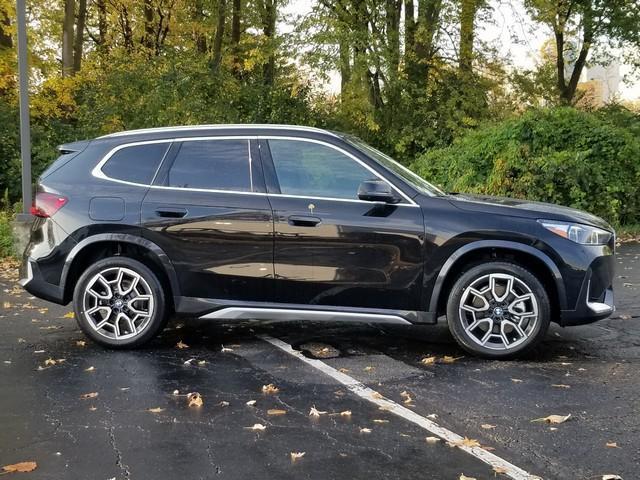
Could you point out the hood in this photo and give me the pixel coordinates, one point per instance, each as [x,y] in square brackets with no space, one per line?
[524,208]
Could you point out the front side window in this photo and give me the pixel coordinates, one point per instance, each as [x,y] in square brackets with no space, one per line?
[136,163]
[316,170]
[212,165]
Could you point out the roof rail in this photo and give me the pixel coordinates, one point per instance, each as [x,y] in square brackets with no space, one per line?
[183,128]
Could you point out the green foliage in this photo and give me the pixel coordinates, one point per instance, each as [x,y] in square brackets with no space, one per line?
[6,236]
[585,160]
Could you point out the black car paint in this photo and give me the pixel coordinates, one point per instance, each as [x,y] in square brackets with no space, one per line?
[360,256]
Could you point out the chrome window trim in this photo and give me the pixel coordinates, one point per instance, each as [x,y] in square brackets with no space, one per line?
[98,173]
[183,128]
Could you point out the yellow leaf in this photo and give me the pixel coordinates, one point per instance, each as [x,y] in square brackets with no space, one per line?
[6,304]
[465,442]
[276,412]
[270,389]
[464,477]
[202,362]
[343,370]
[49,362]
[555,419]
[488,426]
[69,315]
[181,345]
[81,343]
[428,360]
[380,420]
[432,440]
[86,396]
[155,410]
[407,397]
[369,368]
[611,477]
[22,467]
[450,359]
[90,369]
[296,455]
[612,445]
[346,413]
[194,399]
[256,427]
[500,470]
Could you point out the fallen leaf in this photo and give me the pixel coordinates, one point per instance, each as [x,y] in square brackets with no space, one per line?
[155,410]
[611,477]
[407,397]
[314,412]
[346,413]
[194,399]
[554,419]
[376,395]
[251,403]
[500,470]
[516,380]
[188,362]
[6,304]
[465,442]
[92,408]
[464,477]
[296,455]
[69,315]
[449,359]
[81,343]
[270,389]
[223,403]
[225,349]
[365,430]
[86,396]
[256,427]
[369,368]
[488,426]
[343,370]
[380,420]
[90,369]
[276,412]
[202,362]
[428,360]
[22,467]
[432,440]
[181,345]
[176,392]
[49,362]
[560,385]
[432,416]
[612,445]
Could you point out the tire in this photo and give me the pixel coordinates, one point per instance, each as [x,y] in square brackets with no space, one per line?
[131,300]
[498,310]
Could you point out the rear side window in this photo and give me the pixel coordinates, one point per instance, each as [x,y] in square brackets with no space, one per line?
[212,165]
[136,163]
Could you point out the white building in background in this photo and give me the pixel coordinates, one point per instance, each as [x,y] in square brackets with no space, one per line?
[603,81]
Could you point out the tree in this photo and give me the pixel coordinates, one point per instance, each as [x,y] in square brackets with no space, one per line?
[78,44]
[468,12]
[67,37]
[594,25]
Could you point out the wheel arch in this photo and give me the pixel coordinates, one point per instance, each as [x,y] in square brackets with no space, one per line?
[99,245]
[528,257]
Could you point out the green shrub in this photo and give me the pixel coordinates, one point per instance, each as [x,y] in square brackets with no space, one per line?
[6,236]
[585,160]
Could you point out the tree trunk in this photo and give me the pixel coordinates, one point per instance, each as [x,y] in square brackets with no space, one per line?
[345,65]
[217,41]
[468,11]
[421,39]
[393,9]
[198,18]
[149,28]
[102,23]
[78,45]
[235,36]
[67,37]
[269,16]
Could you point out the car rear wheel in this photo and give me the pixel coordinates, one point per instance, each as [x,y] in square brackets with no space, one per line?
[498,310]
[120,303]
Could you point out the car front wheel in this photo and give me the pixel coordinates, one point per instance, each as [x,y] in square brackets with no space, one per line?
[119,303]
[498,310]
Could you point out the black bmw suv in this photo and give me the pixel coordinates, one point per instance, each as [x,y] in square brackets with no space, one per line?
[289,223]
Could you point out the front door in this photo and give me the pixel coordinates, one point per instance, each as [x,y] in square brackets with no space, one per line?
[330,247]
[208,211]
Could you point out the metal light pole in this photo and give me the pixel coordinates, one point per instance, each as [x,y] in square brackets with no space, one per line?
[25,134]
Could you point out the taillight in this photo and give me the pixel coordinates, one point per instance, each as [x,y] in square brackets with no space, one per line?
[46,204]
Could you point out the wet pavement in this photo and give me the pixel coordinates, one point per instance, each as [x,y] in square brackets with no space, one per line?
[136,427]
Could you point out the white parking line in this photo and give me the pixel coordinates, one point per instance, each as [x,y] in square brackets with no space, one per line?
[372,396]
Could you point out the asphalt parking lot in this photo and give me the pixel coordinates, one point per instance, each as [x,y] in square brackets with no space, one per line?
[82,412]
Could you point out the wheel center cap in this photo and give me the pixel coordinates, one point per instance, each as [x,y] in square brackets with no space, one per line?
[118,304]
[498,311]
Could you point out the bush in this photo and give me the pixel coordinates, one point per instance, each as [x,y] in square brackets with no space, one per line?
[6,236]
[589,161]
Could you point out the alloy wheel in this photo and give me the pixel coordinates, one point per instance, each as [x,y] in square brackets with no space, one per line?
[118,303]
[498,311]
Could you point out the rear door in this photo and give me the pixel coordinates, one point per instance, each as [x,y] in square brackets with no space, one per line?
[330,247]
[208,211]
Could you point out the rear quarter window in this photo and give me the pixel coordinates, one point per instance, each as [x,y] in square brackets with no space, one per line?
[136,163]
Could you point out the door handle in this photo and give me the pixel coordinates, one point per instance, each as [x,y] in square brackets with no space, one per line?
[304,221]
[170,212]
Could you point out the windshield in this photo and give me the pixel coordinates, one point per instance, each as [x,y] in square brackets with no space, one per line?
[389,163]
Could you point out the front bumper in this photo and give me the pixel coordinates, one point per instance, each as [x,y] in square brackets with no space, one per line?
[596,299]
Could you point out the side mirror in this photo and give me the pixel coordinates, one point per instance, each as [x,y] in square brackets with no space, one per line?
[376,191]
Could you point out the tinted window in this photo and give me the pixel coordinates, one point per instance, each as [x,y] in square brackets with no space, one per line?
[137,163]
[212,165]
[312,169]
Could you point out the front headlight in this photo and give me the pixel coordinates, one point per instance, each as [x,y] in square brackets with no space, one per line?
[577,232]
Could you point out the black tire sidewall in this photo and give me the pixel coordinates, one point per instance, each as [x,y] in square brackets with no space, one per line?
[466,278]
[158,318]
